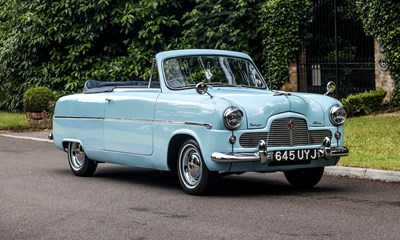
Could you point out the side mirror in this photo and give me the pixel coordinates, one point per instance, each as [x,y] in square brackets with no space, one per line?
[330,87]
[202,88]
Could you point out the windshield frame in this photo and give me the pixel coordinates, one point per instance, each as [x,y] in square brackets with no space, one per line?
[192,86]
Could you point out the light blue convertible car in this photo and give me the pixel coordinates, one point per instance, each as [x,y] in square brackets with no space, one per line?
[202,114]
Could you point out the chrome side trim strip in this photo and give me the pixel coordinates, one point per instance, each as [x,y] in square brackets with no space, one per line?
[206,125]
[128,120]
[200,124]
[71,117]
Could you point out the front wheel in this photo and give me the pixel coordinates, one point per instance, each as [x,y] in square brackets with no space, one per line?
[79,163]
[304,178]
[193,174]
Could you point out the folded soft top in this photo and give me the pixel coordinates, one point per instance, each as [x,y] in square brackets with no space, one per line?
[94,86]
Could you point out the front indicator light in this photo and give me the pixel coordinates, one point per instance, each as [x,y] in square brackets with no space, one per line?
[338,135]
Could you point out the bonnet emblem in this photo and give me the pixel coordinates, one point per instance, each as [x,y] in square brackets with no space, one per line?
[290,125]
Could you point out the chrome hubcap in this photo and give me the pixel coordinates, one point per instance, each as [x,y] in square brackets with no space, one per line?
[77,156]
[191,166]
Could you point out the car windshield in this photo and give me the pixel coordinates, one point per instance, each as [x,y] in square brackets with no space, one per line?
[184,72]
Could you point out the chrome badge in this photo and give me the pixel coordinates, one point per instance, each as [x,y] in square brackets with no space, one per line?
[290,125]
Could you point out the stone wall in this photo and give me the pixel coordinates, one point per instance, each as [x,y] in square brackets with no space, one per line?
[39,120]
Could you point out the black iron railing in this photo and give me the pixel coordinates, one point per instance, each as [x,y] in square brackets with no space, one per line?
[338,51]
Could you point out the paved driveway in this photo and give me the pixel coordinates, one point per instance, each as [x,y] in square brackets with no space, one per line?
[41,199]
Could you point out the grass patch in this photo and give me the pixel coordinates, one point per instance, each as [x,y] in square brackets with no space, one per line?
[373,142]
[13,121]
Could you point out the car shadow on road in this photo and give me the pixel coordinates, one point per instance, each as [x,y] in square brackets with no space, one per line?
[235,185]
[138,176]
[253,186]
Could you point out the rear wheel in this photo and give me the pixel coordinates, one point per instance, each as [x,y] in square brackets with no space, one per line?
[193,174]
[79,163]
[304,178]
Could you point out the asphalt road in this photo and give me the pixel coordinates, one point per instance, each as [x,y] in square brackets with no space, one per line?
[41,199]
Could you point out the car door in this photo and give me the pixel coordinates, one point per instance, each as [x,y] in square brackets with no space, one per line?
[129,120]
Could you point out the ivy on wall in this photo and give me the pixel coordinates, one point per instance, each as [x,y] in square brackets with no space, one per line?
[281,28]
[381,19]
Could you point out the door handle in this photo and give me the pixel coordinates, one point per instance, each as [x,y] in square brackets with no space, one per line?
[109,100]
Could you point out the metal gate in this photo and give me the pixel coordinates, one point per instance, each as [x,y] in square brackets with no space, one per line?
[338,50]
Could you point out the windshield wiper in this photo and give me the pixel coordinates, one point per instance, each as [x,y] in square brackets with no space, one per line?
[221,84]
[215,83]
[249,86]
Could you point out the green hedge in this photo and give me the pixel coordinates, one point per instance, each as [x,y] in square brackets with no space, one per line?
[38,99]
[364,103]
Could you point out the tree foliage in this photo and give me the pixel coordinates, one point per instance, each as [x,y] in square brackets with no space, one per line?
[60,44]
[224,24]
[381,19]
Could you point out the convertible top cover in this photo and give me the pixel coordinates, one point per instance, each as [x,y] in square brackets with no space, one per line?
[94,86]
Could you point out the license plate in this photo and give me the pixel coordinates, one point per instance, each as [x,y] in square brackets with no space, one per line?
[296,155]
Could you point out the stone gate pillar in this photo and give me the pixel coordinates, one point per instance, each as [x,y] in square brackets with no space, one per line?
[383,80]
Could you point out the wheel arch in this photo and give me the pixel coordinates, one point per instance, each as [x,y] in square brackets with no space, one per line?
[173,149]
[65,143]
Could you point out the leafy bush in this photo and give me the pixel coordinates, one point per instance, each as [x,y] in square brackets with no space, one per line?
[38,99]
[364,103]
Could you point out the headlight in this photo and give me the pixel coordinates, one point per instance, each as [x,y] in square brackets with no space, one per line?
[232,118]
[338,115]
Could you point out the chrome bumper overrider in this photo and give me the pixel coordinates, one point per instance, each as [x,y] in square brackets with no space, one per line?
[263,156]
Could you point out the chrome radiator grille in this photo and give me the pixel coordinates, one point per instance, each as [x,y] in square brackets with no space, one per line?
[281,134]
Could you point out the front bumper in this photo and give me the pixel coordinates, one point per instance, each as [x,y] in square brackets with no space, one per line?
[263,156]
